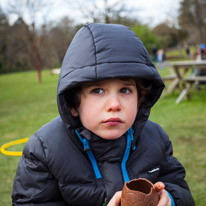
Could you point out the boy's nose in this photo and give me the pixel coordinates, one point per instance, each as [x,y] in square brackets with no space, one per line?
[113,104]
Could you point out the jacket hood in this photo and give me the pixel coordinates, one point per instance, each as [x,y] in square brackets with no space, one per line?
[105,51]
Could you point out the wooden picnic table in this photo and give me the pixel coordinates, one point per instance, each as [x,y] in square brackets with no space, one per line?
[183,74]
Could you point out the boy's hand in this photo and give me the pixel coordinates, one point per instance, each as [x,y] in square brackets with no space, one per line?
[115,201]
[164,197]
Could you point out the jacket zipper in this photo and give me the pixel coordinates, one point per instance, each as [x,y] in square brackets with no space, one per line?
[90,155]
[126,154]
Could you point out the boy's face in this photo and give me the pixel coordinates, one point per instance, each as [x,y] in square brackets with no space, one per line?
[108,108]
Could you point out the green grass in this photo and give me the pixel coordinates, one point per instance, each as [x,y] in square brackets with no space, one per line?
[25,106]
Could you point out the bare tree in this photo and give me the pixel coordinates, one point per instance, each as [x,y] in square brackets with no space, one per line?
[30,8]
[55,39]
[193,18]
[105,11]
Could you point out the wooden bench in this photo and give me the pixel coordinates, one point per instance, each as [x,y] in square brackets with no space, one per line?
[169,77]
[189,81]
[193,79]
[179,79]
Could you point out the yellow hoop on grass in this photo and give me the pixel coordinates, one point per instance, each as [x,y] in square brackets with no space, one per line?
[9,144]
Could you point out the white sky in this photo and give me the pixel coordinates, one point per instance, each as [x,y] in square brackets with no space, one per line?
[149,12]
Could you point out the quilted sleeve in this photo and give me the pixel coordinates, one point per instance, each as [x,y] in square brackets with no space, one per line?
[33,183]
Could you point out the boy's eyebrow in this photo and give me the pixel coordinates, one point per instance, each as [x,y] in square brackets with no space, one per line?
[129,84]
[92,84]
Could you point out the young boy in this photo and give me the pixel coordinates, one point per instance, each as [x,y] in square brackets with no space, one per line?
[102,137]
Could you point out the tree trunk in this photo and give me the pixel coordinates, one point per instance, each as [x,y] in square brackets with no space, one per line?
[38,67]
[35,53]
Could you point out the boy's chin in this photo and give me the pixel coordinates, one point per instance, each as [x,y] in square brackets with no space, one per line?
[110,135]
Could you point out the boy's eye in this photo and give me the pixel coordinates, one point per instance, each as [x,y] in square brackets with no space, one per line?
[97,91]
[125,90]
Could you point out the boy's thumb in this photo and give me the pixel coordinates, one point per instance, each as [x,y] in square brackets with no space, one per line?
[159,186]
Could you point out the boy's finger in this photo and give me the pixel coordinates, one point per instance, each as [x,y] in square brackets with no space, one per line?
[164,199]
[116,199]
[159,186]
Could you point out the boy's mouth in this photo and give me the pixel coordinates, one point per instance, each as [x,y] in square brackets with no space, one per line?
[113,121]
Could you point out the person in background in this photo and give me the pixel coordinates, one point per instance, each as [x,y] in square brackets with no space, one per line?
[154,53]
[160,55]
[203,51]
[187,50]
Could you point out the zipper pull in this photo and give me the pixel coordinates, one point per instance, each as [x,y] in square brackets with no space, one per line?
[131,131]
[86,145]
[84,141]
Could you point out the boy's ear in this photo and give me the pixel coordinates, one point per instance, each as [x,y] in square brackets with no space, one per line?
[74,112]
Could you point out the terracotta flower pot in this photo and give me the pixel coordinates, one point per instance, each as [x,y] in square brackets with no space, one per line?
[139,192]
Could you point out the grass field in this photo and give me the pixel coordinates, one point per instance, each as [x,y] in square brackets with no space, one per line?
[25,106]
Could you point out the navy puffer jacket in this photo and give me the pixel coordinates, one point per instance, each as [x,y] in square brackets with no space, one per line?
[58,168]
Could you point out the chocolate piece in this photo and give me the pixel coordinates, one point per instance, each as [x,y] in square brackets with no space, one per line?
[139,192]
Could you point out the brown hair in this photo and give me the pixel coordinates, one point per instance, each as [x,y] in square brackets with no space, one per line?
[144,88]
[73,96]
